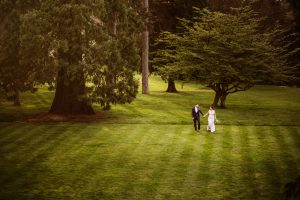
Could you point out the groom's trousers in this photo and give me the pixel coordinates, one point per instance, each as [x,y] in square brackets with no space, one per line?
[196,123]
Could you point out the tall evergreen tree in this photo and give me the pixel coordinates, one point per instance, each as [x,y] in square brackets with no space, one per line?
[14,76]
[91,48]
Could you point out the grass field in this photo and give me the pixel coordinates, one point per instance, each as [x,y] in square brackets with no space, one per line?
[148,149]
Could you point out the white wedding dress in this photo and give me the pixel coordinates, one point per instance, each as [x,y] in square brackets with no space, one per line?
[211,121]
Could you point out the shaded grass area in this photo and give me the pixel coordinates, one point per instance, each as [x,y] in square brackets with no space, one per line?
[261,105]
[111,161]
[31,104]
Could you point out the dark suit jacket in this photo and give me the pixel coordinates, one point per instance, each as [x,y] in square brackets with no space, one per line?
[196,114]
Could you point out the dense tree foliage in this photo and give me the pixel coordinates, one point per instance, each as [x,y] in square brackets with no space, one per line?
[273,13]
[225,51]
[88,48]
[14,76]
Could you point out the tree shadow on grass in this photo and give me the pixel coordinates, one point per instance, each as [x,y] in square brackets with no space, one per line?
[22,175]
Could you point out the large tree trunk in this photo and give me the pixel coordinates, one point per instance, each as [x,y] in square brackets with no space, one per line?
[223,100]
[216,99]
[145,55]
[171,86]
[218,93]
[69,96]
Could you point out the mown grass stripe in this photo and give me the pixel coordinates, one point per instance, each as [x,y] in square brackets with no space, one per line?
[144,160]
[226,163]
[64,170]
[249,172]
[291,141]
[237,176]
[34,146]
[203,172]
[276,149]
[185,161]
[215,188]
[75,168]
[76,141]
[14,144]
[24,170]
[17,132]
[156,169]
[270,180]
[165,173]
[289,154]
[73,140]
[114,164]
[131,142]
[193,186]
[27,142]
[186,158]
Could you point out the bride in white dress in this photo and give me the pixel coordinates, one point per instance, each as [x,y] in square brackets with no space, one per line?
[212,118]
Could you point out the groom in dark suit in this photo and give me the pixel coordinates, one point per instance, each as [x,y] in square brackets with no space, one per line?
[196,116]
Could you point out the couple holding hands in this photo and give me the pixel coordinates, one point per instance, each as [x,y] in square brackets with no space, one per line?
[212,118]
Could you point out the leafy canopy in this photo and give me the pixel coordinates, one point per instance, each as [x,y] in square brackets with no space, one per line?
[218,48]
[14,76]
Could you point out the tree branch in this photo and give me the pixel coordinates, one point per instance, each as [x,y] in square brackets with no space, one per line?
[237,87]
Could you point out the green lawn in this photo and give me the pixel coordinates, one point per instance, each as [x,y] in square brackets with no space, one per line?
[148,149]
